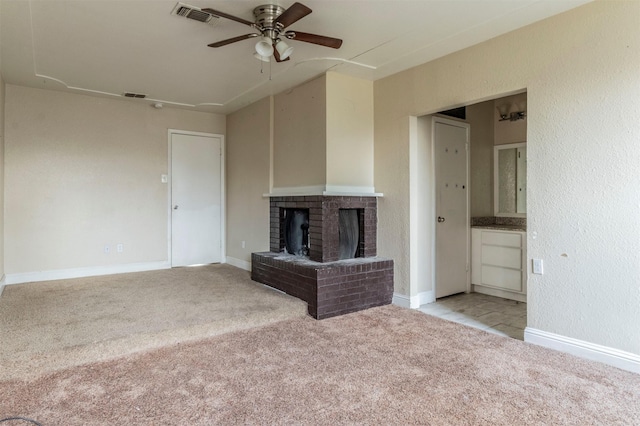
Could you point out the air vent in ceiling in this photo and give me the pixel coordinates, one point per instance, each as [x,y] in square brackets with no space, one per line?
[134,95]
[195,13]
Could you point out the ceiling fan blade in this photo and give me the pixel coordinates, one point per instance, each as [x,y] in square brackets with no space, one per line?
[296,12]
[232,40]
[226,15]
[276,55]
[315,39]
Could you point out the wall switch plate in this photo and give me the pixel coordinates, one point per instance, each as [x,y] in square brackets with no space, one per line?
[164,178]
[537,266]
[120,248]
[107,249]
[243,244]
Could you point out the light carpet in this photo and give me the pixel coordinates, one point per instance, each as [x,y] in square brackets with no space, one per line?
[386,365]
[47,326]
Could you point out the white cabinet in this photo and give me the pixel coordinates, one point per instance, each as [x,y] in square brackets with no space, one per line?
[498,263]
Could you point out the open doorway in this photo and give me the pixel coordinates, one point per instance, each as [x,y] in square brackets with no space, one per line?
[495,297]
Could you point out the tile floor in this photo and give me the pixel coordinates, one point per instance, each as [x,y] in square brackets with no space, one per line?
[493,314]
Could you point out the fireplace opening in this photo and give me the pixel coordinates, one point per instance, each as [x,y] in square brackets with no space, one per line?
[349,229]
[296,231]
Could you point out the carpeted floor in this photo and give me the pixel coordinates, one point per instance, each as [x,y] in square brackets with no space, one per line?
[386,365]
[52,325]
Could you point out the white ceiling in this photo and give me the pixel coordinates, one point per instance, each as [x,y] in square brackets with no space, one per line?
[108,47]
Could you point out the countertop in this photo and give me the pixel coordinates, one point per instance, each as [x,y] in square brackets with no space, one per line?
[503,227]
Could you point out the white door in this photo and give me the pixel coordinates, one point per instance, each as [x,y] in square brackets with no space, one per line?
[452,227]
[196,199]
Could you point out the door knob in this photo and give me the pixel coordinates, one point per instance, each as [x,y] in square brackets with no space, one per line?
[440,219]
[175,207]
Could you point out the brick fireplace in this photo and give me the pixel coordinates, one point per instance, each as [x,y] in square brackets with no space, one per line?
[323,251]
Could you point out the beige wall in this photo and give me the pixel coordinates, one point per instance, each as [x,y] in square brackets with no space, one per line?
[580,70]
[423,211]
[481,119]
[349,132]
[510,131]
[2,99]
[83,172]
[300,136]
[248,170]
[487,131]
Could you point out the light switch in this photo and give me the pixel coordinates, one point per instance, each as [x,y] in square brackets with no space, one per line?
[164,178]
[537,266]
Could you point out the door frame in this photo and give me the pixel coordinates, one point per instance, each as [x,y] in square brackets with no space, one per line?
[223,221]
[467,127]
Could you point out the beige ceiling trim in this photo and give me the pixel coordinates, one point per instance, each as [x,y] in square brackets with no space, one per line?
[119,95]
[57,80]
[458,34]
[93,91]
[346,61]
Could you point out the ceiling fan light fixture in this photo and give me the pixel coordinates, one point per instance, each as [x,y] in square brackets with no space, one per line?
[262,58]
[264,47]
[283,49]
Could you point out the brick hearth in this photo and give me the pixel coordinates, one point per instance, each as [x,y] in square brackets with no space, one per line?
[330,289]
[330,286]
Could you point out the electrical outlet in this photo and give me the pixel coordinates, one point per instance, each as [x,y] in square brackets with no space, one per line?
[120,248]
[537,266]
[107,249]
[243,244]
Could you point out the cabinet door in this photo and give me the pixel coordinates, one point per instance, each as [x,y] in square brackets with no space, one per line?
[504,257]
[504,278]
[498,259]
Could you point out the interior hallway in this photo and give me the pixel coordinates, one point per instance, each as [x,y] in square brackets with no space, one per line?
[493,314]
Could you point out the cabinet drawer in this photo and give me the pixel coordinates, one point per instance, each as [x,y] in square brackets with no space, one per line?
[508,239]
[507,257]
[509,279]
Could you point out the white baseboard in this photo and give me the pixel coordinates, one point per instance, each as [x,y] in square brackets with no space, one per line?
[239,263]
[401,300]
[617,358]
[426,297]
[61,274]
[413,302]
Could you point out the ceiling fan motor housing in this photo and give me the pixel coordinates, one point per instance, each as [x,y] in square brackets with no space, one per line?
[265,18]
[271,21]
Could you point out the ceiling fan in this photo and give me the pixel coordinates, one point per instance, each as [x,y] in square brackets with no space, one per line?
[271,21]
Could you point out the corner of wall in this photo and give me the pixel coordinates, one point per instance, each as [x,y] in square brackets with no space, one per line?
[2,99]
[249,176]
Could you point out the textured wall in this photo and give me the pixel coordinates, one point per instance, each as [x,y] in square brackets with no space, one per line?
[2,99]
[82,172]
[248,169]
[300,136]
[423,212]
[580,70]
[481,119]
[349,131]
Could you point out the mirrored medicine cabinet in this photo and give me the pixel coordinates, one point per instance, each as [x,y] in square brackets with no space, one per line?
[510,180]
